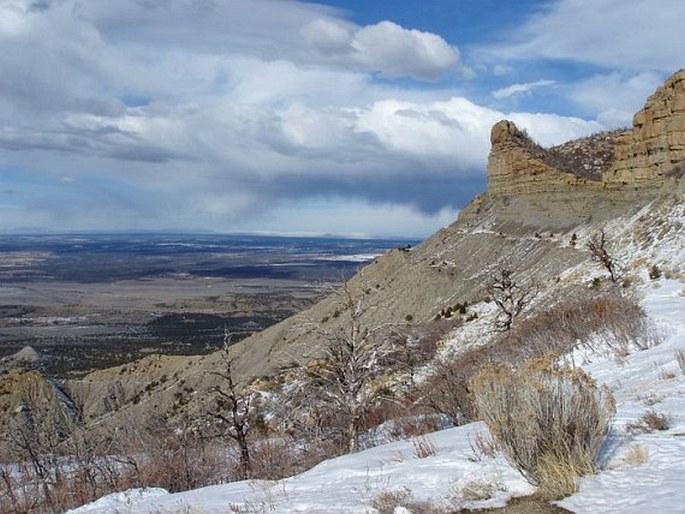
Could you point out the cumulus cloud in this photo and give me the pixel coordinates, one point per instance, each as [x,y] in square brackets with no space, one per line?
[385,47]
[553,129]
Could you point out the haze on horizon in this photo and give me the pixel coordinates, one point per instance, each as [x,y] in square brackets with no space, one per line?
[282,116]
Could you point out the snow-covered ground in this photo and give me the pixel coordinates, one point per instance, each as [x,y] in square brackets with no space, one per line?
[641,473]
[648,380]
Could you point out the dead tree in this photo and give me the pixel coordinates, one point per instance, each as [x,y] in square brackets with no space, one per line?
[597,245]
[235,408]
[345,375]
[510,297]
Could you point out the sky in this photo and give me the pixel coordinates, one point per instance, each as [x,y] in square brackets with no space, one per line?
[358,118]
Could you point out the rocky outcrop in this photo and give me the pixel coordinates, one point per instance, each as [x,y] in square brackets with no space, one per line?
[655,148]
[638,159]
[517,166]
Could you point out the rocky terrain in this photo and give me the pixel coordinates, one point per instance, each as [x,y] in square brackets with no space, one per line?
[535,218]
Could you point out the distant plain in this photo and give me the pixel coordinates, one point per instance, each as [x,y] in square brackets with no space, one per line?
[89,301]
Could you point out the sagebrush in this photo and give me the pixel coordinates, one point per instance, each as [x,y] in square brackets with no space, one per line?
[549,421]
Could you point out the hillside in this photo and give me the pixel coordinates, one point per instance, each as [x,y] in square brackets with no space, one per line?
[457,477]
[526,220]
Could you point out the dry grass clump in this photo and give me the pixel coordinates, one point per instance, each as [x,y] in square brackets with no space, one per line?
[609,319]
[549,421]
[387,501]
[424,447]
[483,447]
[650,421]
[479,490]
[636,455]
[680,359]
[402,500]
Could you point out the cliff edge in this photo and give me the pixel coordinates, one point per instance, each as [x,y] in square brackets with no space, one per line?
[637,159]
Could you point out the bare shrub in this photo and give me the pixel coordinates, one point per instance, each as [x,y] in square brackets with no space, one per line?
[446,391]
[345,378]
[615,320]
[599,247]
[274,458]
[414,426]
[410,346]
[576,317]
[549,421]
[387,501]
[235,408]
[87,467]
[654,272]
[180,458]
[423,447]
[650,421]
[510,296]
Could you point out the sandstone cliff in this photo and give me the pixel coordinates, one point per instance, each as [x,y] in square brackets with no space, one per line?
[637,159]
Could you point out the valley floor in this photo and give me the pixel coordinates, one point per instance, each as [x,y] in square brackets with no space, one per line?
[640,471]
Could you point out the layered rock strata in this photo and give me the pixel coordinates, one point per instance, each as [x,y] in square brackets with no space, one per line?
[641,158]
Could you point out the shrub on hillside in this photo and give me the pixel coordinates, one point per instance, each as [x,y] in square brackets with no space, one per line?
[549,421]
[606,322]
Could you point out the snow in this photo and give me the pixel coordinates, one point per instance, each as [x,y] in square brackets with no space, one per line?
[645,380]
[648,380]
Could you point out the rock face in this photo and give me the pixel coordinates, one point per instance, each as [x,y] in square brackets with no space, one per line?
[638,159]
[518,166]
[655,148]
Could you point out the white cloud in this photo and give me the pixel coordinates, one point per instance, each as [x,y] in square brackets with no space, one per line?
[615,96]
[393,50]
[454,130]
[328,37]
[631,35]
[552,129]
[524,88]
[12,19]
[385,47]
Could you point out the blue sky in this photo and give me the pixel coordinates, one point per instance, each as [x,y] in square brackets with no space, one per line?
[279,116]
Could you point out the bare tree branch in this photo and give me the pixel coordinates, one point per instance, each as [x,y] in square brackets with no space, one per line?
[510,297]
[597,245]
[235,409]
[345,375]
